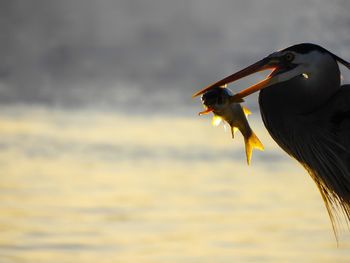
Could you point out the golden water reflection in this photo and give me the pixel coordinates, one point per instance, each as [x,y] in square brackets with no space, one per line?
[84,186]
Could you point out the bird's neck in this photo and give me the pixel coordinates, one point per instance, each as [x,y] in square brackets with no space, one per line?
[286,122]
[310,140]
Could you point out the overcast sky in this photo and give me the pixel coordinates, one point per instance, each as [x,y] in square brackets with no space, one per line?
[149,52]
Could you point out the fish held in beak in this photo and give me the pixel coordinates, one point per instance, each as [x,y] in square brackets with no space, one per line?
[218,101]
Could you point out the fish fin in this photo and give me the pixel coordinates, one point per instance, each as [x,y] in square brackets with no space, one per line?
[246,111]
[216,120]
[233,131]
[252,142]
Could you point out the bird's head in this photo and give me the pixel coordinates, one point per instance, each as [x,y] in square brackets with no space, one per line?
[301,73]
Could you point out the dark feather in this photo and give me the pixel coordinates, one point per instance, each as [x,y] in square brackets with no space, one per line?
[304,48]
[320,142]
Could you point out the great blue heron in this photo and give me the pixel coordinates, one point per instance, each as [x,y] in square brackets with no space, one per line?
[307,112]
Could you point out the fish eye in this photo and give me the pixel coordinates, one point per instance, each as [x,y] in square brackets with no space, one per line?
[289,56]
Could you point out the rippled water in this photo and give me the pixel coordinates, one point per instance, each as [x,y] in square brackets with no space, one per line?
[84,186]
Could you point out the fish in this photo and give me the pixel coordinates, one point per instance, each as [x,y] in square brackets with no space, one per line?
[220,101]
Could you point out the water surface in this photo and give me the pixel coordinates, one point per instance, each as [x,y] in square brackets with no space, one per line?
[87,186]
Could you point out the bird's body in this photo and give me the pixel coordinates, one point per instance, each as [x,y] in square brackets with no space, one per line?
[307,112]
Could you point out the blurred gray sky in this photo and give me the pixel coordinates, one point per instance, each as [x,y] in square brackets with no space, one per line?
[149,53]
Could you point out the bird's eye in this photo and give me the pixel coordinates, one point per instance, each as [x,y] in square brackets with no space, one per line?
[289,56]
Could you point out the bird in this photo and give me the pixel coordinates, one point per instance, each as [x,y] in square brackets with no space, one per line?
[306,111]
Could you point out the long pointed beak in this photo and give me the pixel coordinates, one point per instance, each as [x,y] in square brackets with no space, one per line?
[264,64]
[207,111]
[256,87]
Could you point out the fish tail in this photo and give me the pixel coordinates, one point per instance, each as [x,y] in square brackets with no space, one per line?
[233,131]
[251,142]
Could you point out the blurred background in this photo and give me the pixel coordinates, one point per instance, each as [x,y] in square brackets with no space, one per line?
[103,157]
